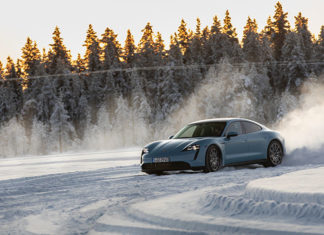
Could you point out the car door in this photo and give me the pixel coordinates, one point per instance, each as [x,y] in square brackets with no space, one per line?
[255,140]
[236,148]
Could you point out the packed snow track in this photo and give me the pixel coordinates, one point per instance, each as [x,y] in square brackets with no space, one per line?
[106,192]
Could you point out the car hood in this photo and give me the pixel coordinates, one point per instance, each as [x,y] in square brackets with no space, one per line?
[172,145]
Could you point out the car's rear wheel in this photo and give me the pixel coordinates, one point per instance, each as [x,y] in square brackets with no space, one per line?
[213,159]
[275,154]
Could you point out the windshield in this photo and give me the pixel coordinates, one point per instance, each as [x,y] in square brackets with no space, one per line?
[207,129]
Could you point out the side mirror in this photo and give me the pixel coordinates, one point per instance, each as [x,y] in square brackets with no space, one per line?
[171,136]
[231,134]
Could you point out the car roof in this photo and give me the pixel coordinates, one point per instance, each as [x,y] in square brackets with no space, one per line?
[223,120]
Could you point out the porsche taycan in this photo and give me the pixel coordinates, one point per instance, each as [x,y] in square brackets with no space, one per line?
[212,144]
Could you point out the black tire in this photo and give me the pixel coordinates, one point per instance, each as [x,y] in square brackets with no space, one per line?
[274,154]
[213,159]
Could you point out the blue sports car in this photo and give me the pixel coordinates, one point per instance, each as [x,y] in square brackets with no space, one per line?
[214,143]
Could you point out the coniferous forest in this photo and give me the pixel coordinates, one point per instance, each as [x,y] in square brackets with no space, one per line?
[120,95]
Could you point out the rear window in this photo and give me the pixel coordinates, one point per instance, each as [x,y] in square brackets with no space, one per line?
[250,127]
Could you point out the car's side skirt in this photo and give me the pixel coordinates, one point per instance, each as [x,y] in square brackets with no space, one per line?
[261,161]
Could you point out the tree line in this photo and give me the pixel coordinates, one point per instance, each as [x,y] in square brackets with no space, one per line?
[66,94]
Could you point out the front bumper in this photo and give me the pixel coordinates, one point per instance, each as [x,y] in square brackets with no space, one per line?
[165,166]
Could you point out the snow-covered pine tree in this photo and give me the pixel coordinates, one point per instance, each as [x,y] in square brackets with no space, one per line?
[301,27]
[14,89]
[79,64]
[194,60]
[281,27]
[62,131]
[31,58]
[1,71]
[196,47]
[183,36]
[129,50]
[146,57]
[159,49]
[228,28]
[111,50]
[141,112]
[213,46]
[59,58]
[145,48]
[176,67]
[223,42]
[252,47]
[10,71]
[319,52]
[294,68]
[92,54]
[19,70]
[122,125]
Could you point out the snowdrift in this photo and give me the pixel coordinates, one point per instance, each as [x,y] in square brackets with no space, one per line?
[306,186]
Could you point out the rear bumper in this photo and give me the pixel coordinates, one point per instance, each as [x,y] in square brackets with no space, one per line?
[165,166]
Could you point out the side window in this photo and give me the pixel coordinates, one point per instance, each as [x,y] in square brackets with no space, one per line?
[236,127]
[251,127]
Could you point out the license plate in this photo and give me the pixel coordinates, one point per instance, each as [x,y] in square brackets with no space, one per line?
[160,159]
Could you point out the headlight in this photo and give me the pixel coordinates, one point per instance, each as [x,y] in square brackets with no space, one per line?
[145,150]
[193,147]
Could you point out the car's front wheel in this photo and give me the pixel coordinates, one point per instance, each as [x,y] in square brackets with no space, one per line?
[275,154]
[213,159]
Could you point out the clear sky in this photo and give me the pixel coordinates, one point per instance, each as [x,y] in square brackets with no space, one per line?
[38,18]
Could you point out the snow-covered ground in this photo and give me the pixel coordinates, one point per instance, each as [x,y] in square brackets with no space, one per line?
[100,193]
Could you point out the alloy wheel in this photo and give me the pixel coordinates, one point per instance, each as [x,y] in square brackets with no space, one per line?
[275,153]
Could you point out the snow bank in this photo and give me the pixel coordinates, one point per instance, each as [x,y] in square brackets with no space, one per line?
[306,186]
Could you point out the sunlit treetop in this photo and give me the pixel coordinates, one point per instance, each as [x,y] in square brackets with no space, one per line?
[280,19]
[159,46]
[109,36]
[92,54]
[175,56]
[90,38]
[216,27]
[198,30]
[301,22]
[129,49]
[228,27]
[321,36]
[251,26]
[268,29]
[206,32]
[10,71]
[19,68]
[1,71]
[31,57]
[59,58]
[280,27]
[79,64]
[111,49]
[183,36]
[147,38]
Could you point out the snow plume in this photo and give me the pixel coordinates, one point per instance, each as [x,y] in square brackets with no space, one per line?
[125,127]
[303,127]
